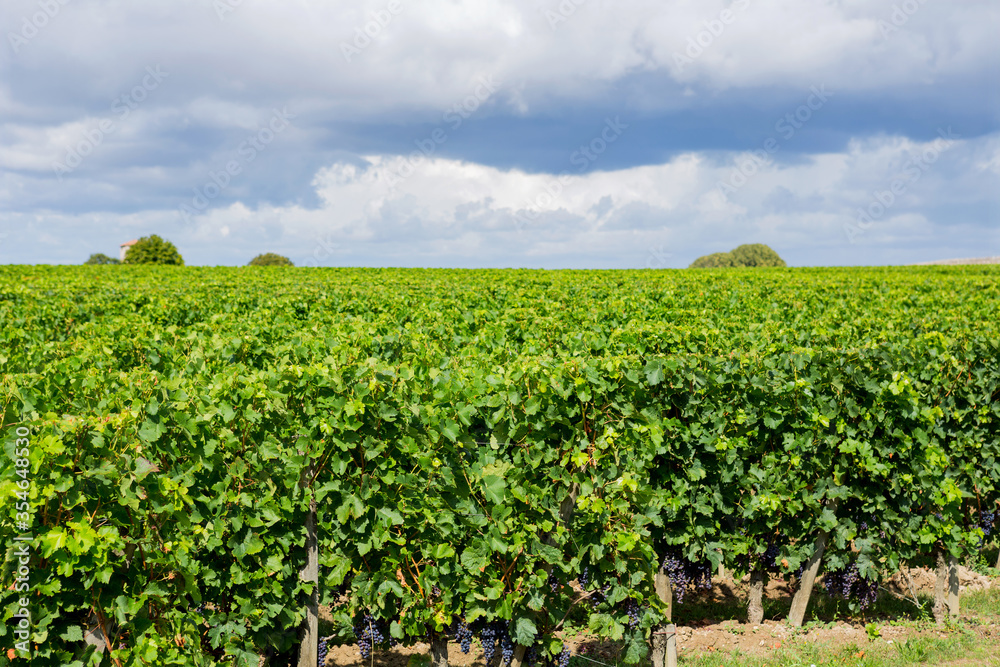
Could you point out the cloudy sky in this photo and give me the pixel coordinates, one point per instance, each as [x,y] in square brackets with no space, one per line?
[480,133]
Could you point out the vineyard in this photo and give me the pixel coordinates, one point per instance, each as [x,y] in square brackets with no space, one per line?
[476,454]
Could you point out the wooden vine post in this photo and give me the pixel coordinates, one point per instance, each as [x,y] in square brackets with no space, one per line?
[309,650]
[939,612]
[664,653]
[723,572]
[953,586]
[801,600]
[439,650]
[946,587]
[755,602]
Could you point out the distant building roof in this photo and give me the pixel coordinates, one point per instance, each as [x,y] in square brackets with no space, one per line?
[129,243]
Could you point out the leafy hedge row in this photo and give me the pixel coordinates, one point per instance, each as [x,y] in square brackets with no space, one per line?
[179,430]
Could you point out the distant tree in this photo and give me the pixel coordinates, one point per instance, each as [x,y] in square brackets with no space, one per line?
[752,254]
[756,254]
[153,250]
[101,258]
[270,259]
[716,260]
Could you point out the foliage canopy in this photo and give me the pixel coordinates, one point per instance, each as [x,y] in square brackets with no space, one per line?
[751,254]
[166,430]
[270,259]
[153,250]
[101,258]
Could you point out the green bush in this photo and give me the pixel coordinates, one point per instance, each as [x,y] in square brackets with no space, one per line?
[756,254]
[101,258]
[153,250]
[751,254]
[270,259]
[716,260]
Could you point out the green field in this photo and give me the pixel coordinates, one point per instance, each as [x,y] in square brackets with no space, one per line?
[475,443]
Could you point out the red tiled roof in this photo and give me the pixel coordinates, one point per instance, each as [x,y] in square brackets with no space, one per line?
[132,242]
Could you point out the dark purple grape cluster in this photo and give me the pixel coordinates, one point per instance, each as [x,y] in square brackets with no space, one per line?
[635,613]
[597,596]
[840,583]
[987,519]
[684,574]
[494,634]
[324,650]
[436,592]
[531,655]
[865,524]
[370,633]
[563,660]
[463,633]
[488,638]
[767,560]
[506,649]
[553,582]
[490,635]
[848,584]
